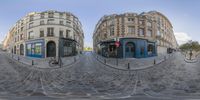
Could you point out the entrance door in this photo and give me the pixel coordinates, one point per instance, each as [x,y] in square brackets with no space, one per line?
[21,49]
[51,49]
[130,50]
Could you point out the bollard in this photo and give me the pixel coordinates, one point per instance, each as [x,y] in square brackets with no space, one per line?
[128,66]
[74,59]
[154,62]
[18,58]
[117,62]
[105,61]
[32,62]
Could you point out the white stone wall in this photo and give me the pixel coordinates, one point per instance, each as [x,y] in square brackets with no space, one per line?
[70,22]
[161,50]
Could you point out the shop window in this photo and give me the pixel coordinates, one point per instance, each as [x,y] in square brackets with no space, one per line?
[68,49]
[142,51]
[38,48]
[29,49]
[150,49]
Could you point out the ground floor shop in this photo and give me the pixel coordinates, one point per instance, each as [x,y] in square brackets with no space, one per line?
[43,48]
[128,48]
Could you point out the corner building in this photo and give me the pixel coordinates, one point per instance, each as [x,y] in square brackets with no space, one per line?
[138,35]
[46,34]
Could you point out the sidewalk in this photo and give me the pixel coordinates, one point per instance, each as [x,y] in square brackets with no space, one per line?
[42,62]
[132,63]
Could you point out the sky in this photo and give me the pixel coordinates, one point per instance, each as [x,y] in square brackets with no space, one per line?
[183,14]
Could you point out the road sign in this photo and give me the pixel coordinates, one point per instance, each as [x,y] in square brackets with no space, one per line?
[117,43]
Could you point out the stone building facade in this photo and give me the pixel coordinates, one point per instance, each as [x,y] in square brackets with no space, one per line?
[138,35]
[46,34]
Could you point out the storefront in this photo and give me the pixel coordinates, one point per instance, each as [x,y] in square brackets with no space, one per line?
[137,48]
[128,48]
[108,49]
[67,47]
[35,48]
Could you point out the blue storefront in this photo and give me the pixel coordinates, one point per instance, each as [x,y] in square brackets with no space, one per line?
[35,48]
[137,48]
[129,48]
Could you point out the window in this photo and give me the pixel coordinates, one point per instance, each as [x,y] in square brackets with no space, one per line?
[149,33]
[67,33]
[112,22]
[61,23]
[61,15]
[50,21]
[21,36]
[61,33]
[105,35]
[149,24]
[112,30]
[131,30]
[131,19]
[30,25]
[150,49]
[68,22]
[29,49]
[67,48]
[41,33]
[50,14]
[67,16]
[158,33]
[142,51]
[141,22]
[30,35]
[31,18]
[38,49]
[141,32]
[22,28]
[42,15]
[50,31]
[42,22]
[158,42]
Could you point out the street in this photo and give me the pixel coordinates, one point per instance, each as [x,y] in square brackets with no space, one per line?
[89,79]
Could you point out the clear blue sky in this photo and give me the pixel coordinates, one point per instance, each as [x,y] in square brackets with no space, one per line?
[183,14]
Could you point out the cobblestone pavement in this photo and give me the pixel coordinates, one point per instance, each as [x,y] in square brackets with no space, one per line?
[90,79]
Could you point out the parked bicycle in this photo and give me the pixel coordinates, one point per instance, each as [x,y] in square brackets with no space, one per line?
[53,62]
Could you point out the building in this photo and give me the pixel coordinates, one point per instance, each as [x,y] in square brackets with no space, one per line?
[138,35]
[46,34]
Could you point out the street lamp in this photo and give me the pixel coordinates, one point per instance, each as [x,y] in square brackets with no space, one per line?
[190,42]
[117,43]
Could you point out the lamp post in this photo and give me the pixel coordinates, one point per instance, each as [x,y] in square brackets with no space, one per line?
[59,56]
[117,46]
[190,49]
